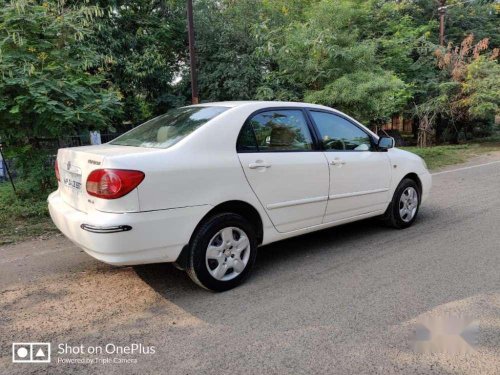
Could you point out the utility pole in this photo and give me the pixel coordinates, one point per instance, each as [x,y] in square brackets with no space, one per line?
[192,56]
[442,12]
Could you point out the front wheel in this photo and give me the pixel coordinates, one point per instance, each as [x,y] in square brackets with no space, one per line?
[403,209]
[222,252]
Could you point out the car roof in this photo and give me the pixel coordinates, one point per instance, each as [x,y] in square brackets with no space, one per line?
[263,103]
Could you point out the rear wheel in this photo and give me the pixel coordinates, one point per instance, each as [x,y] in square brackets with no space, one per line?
[403,209]
[222,252]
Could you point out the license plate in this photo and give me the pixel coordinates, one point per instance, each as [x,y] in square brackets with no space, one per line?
[72,181]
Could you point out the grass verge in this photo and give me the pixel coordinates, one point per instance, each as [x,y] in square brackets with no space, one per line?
[21,219]
[440,156]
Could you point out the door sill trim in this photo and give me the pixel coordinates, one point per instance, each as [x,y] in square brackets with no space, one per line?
[358,193]
[296,202]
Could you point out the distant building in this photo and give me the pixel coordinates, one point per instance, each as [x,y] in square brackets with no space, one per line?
[400,124]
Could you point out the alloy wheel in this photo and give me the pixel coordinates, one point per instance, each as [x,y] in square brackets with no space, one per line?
[408,204]
[228,253]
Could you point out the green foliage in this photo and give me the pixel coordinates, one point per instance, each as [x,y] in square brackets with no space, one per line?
[482,87]
[147,44]
[325,59]
[368,96]
[50,76]
[464,95]
[22,217]
[51,80]
[229,69]
[480,17]
[114,63]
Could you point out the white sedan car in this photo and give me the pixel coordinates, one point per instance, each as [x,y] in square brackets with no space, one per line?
[205,185]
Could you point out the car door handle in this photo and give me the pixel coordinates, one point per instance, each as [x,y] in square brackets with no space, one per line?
[259,164]
[337,162]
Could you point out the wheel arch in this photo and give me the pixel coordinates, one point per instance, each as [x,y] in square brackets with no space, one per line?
[413,176]
[242,208]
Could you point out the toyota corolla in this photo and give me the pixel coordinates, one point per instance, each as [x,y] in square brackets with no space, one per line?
[205,185]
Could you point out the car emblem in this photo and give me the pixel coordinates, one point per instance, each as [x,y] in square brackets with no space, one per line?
[68,166]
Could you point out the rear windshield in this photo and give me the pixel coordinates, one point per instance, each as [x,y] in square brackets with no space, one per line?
[168,129]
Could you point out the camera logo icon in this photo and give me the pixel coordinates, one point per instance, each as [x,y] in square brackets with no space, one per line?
[31,352]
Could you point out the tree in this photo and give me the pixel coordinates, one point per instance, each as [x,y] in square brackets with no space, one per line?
[147,42]
[52,81]
[478,17]
[467,93]
[234,42]
[228,67]
[326,60]
[481,87]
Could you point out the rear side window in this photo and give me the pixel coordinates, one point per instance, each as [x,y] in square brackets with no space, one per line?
[246,139]
[168,129]
[274,131]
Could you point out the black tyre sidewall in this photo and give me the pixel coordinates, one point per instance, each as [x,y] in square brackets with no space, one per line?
[197,268]
[396,219]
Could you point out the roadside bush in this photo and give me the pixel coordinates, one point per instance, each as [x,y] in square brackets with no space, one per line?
[24,215]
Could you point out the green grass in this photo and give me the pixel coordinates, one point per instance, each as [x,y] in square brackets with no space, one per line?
[494,138]
[21,219]
[440,156]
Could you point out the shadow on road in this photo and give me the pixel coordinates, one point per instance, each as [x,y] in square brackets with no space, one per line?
[170,282]
[330,264]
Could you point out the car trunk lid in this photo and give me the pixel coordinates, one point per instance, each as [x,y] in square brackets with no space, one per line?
[76,163]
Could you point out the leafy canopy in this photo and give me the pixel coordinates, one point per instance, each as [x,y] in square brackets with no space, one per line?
[51,76]
[52,82]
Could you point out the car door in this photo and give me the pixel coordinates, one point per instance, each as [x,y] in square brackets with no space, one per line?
[285,170]
[360,175]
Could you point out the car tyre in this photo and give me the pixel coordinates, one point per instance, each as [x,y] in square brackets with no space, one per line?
[403,209]
[222,252]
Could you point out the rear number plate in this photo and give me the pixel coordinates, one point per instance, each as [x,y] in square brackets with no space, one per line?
[73,181]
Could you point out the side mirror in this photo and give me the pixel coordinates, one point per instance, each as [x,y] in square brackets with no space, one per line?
[385,143]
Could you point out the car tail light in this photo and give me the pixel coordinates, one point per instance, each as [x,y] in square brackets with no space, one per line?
[56,167]
[113,183]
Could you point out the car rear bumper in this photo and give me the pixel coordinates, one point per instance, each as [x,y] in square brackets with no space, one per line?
[127,238]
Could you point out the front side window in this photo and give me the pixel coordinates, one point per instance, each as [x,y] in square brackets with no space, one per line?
[168,129]
[276,130]
[338,134]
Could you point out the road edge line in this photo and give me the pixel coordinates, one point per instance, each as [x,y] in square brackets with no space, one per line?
[464,168]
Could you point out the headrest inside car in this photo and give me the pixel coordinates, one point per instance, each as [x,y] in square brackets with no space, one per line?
[164,133]
[281,137]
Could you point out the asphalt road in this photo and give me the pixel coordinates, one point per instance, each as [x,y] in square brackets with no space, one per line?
[340,301]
